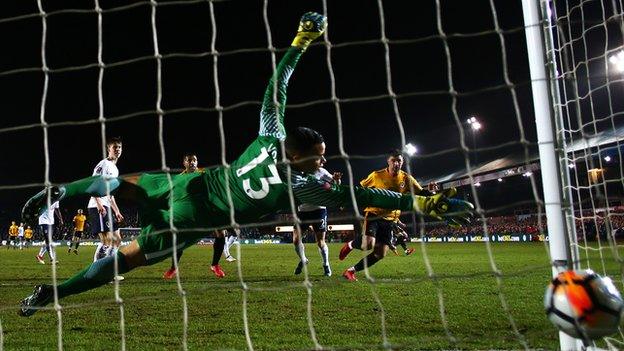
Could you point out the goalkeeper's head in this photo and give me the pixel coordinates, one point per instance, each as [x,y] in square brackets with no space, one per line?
[305,148]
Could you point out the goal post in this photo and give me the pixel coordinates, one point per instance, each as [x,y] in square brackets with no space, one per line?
[560,233]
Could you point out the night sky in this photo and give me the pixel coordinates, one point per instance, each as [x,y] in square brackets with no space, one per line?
[418,66]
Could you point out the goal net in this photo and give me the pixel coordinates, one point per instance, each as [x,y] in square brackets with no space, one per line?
[448,84]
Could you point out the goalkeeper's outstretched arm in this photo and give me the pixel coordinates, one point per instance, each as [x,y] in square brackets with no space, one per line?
[311,27]
[439,206]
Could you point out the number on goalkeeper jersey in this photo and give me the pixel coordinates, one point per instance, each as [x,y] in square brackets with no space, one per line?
[264,181]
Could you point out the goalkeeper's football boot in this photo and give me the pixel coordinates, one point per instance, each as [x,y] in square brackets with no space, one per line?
[218,272]
[349,275]
[299,268]
[41,296]
[344,251]
[37,204]
[311,26]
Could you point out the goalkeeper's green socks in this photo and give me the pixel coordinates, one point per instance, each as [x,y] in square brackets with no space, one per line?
[96,274]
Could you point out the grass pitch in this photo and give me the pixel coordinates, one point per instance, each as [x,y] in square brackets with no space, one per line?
[345,315]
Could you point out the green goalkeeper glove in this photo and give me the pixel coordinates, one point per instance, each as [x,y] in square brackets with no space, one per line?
[441,206]
[311,26]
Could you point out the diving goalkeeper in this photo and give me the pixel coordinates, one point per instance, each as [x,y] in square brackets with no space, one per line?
[258,186]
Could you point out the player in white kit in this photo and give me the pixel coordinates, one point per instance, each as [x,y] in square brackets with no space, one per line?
[101,219]
[315,218]
[46,227]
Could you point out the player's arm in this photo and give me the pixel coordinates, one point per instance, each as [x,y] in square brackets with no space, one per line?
[57,212]
[98,203]
[454,211]
[414,183]
[368,181]
[311,27]
[116,210]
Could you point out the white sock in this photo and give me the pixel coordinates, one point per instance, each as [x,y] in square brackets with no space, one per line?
[324,252]
[300,250]
[97,251]
[52,253]
[42,251]
[226,250]
[350,244]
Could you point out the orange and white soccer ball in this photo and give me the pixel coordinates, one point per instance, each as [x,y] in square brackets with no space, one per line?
[583,304]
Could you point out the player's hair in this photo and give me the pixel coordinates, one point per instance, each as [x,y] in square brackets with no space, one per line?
[395,153]
[301,139]
[113,140]
[188,155]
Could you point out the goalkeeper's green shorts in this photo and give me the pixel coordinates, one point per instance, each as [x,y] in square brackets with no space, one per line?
[190,210]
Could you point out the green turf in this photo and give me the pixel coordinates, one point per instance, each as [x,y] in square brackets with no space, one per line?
[345,315]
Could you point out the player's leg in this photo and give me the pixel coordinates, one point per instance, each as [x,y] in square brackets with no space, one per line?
[43,230]
[173,271]
[49,240]
[114,243]
[114,238]
[299,249]
[218,247]
[100,249]
[360,242]
[320,229]
[229,241]
[96,186]
[96,274]
[402,240]
[323,251]
[382,231]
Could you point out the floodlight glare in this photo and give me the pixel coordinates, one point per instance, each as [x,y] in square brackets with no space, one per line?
[617,60]
[410,149]
[607,158]
[475,126]
[500,180]
[571,165]
[477,184]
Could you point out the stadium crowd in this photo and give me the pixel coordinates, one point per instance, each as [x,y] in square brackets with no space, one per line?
[588,227]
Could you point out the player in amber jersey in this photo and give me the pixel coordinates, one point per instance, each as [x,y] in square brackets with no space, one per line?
[12,242]
[380,224]
[190,161]
[28,234]
[252,187]
[79,225]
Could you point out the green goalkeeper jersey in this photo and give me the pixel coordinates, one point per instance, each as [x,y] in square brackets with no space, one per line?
[259,183]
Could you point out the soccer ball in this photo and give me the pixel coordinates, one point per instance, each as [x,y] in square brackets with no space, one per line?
[583,305]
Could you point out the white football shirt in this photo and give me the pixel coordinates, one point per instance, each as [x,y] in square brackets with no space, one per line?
[48,216]
[107,169]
